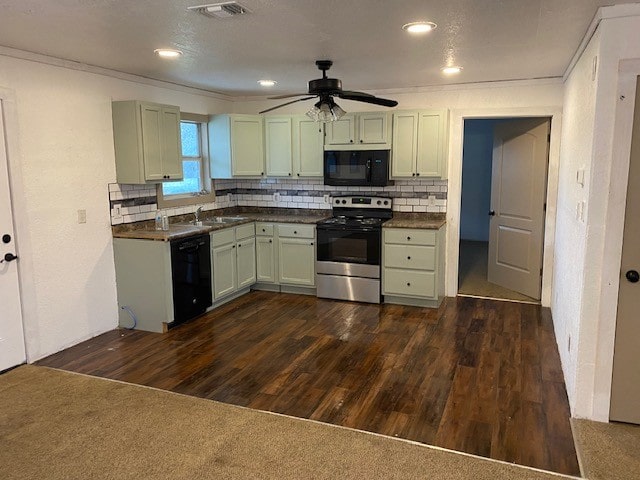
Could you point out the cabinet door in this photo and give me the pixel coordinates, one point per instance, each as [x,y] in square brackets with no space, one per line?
[308,152]
[373,128]
[430,144]
[224,270]
[247,153]
[171,143]
[404,145]
[297,261]
[246,261]
[342,132]
[265,260]
[278,141]
[151,118]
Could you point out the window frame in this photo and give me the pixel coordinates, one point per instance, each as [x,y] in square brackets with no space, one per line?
[182,200]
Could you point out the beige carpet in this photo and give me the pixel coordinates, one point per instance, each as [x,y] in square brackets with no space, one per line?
[60,425]
[608,451]
[472,274]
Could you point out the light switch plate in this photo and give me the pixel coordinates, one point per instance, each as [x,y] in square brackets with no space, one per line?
[580,177]
[82,216]
[117,210]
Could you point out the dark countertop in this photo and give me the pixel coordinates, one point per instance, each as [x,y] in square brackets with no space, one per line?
[431,221]
[179,227]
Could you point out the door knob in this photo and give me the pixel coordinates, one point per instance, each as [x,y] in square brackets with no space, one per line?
[10,257]
[492,213]
[633,276]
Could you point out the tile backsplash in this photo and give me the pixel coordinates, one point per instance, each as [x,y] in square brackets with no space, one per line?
[139,202]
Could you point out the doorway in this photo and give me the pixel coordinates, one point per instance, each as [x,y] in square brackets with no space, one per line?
[12,348]
[504,176]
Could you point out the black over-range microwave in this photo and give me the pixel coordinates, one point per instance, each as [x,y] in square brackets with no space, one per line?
[356,167]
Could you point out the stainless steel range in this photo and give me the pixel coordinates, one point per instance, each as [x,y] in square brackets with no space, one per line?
[349,249]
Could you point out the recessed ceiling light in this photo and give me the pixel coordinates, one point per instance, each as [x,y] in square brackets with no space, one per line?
[452,70]
[419,27]
[167,52]
[267,83]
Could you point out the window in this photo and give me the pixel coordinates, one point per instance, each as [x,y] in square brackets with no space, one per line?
[195,187]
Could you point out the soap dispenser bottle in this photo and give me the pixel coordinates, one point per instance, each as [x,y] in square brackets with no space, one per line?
[158,219]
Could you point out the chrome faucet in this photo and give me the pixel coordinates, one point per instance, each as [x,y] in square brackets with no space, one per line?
[197,214]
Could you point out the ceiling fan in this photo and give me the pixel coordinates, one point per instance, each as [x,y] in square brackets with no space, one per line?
[326,109]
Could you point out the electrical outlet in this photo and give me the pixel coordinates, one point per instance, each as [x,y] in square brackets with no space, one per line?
[276,197]
[117,210]
[327,199]
[229,197]
[431,200]
[82,216]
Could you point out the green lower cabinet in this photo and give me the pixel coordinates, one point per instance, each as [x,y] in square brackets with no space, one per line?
[413,266]
[223,261]
[297,261]
[265,260]
[246,262]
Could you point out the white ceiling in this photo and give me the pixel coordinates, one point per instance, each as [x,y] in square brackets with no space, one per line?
[281,39]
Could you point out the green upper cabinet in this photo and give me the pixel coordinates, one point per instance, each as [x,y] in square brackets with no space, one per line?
[147,142]
[278,146]
[419,144]
[308,152]
[366,131]
[236,146]
[293,146]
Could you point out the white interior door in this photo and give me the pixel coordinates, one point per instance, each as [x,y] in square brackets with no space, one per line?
[519,176]
[625,381]
[12,350]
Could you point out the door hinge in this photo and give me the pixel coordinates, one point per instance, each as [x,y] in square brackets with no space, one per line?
[541,272]
[544,207]
[549,138]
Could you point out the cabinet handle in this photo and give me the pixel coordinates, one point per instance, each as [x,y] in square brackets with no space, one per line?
[298,174]
[413,174]
[289,173]
[361,141]
[270,241]
[409,238]
[311,243]
[233,246]
[295,232]
[261,173]
[239,245]
[418,174]
[408,258]
[351,141]
[408,284]
[263,230]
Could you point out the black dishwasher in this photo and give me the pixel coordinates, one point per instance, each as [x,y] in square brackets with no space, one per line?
[191,274]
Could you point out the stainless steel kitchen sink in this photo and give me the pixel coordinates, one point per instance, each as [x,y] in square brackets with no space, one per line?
[217,221]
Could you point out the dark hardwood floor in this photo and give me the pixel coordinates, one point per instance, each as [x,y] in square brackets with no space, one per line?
[478,376]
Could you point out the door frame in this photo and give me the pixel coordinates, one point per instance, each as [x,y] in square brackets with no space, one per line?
[454,197]
[20,223]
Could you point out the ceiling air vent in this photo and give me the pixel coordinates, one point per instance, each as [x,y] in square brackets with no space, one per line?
[220,10]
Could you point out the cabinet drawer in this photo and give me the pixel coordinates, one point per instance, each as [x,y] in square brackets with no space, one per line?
[409,283]
[264,229]
[408,236]
[223,237]
[296,231]
[414,257]
[245,231]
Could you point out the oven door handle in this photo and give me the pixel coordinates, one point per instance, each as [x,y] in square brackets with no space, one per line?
[368,170]
[346,229]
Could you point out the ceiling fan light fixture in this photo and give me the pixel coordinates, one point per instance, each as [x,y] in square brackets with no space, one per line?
[267,83]
[419,27]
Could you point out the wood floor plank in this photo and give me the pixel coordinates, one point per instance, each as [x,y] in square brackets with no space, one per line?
[475,375]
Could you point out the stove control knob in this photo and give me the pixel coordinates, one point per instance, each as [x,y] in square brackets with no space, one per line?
[344,202]
[337,201]
[379,202]
[386,202]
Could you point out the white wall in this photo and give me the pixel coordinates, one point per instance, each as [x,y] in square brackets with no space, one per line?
[576,152]
[62,158]
[587,275]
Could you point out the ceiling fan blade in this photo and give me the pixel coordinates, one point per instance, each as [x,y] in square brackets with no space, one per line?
[285,104]
[280,97]
[367,98]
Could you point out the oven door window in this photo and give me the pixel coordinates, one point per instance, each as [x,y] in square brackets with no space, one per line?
[348,246]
